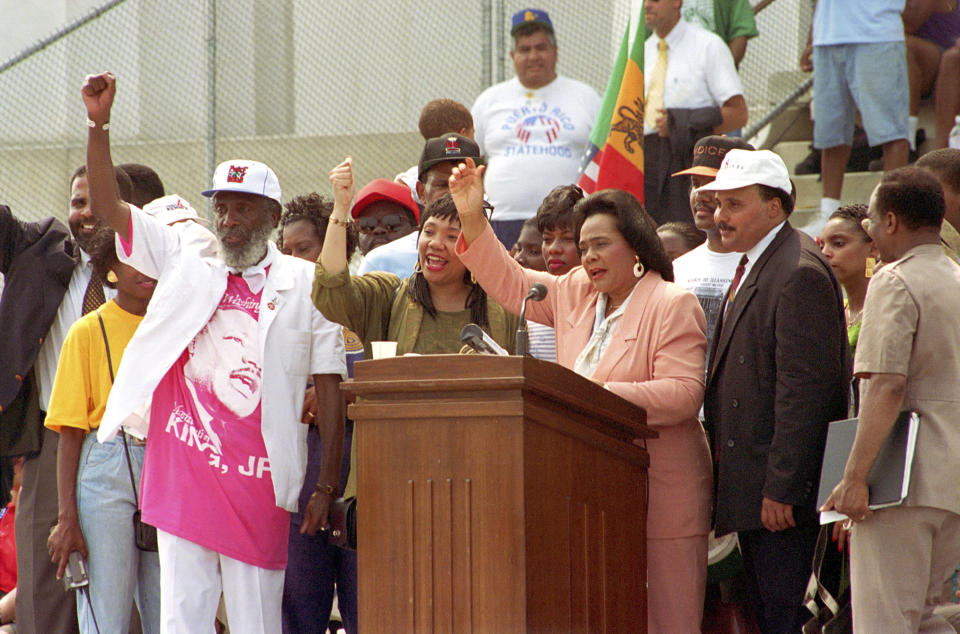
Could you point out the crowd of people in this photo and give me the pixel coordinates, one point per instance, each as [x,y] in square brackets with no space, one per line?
[173,383]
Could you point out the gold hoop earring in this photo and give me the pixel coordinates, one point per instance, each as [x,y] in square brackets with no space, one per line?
[112,277]
[417,268]
[473,278]
[638,269]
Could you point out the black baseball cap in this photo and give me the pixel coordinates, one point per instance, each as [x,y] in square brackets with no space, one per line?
[448,147]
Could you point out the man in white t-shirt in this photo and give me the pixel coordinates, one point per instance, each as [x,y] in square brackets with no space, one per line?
[708,269]
[692,89]
[857,53]
[532,128]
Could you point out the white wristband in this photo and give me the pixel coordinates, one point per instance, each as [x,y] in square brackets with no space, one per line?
[92,124]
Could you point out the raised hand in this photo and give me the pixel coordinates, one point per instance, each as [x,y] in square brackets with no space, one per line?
[98,92]
[466,187]
[341,179]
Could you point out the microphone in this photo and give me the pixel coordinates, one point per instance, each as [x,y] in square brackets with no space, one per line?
[473,336]
[537,292]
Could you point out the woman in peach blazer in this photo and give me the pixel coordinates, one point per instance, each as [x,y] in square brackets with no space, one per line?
[653,356]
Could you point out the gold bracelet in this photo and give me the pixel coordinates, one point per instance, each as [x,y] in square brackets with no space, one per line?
[342,223]
[329,489]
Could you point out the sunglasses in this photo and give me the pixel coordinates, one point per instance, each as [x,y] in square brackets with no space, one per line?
[388,222]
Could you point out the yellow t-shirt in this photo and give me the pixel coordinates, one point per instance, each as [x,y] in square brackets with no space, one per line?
[82,384]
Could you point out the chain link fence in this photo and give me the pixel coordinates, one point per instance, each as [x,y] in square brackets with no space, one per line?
[297,84]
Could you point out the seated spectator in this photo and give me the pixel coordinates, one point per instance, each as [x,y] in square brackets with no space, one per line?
[384,211]
[422,313]
[679,238]
[946,98]
[930,27]
[314,566]
[98,482]
[529,248]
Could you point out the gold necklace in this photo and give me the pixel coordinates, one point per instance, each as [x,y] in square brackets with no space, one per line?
[852,318]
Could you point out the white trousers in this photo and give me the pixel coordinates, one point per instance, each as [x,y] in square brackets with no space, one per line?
[192,578]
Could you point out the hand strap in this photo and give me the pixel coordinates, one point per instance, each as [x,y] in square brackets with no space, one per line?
[123,435]
[814,587]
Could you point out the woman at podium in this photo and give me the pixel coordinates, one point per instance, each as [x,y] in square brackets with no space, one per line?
[423,313]
[621,322]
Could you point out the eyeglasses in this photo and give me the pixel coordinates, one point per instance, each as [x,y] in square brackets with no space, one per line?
[369,224]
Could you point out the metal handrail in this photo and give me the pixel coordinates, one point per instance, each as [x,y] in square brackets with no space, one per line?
[751,131]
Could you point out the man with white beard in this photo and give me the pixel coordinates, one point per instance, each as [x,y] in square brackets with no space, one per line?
[226,452]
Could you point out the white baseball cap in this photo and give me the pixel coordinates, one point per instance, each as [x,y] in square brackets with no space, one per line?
[248,177]
[742,168]
[170,209]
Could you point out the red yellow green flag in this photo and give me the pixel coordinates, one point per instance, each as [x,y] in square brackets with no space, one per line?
[614,155]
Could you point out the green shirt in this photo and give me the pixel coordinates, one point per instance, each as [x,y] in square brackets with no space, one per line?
[376,307]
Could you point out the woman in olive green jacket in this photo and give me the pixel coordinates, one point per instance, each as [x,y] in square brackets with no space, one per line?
[423,313]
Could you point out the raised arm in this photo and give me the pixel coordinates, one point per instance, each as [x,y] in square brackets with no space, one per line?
[466,188]
[333,255]
[98,92]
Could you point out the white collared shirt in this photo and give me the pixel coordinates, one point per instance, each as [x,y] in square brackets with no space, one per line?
[700,68]
[71,309]
[754,253]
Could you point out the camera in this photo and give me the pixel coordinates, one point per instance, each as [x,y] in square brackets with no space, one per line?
[75,575]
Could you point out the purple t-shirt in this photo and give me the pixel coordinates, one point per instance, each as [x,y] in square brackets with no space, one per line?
[942,29]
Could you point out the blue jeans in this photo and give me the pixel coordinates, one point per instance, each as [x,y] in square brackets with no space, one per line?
[119,572]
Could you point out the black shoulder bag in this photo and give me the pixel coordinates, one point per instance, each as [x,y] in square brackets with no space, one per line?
[144,534]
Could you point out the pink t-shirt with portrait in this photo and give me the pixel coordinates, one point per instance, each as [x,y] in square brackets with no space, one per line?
[206,477]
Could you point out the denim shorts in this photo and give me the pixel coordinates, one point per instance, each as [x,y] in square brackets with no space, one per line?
[871,78]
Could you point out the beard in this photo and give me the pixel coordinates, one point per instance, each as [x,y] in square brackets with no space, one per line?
[251,251]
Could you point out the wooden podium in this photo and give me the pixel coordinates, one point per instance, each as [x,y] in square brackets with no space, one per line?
[497,494]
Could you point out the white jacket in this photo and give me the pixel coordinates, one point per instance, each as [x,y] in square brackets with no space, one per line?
[296,341]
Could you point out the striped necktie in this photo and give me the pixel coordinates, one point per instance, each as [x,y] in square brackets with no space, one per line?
[737,276]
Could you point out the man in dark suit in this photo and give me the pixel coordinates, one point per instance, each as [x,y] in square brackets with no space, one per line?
[46,280]
[779,373]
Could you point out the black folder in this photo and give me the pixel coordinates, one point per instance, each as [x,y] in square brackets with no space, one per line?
[889,479]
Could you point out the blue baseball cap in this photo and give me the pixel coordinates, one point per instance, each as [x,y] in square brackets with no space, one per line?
[531,16]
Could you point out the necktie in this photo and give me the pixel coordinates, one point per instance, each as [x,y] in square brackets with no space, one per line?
[737,276]
[93,297]
[655,92]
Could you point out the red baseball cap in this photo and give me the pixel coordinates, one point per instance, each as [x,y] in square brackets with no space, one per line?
[382,189]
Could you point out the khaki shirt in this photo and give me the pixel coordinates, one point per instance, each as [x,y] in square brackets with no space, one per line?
[950,239]
[911,326]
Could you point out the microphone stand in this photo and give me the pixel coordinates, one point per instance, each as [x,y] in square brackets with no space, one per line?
[522,339]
